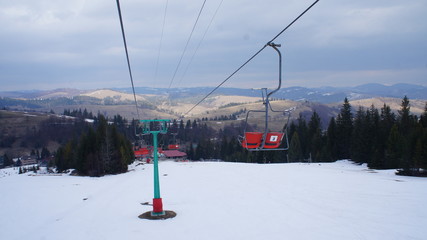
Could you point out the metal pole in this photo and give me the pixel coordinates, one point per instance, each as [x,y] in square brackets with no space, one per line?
[157,200]
[156,168]
[275,46]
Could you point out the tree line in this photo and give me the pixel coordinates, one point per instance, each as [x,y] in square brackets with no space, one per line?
[378,137]
[101,149]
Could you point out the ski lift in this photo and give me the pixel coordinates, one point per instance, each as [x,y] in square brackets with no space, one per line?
[173,130]
[267,140]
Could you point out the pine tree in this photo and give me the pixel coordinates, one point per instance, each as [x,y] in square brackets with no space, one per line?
[386,122]
[7,161]
[393,153]
[423,118]
[45,153]
[223,149]
[404,116]
[303,137]
[360,141]
[423,149]
[418,154]
[315,136]
[331,140]
[344,131]
[406,129]
[376,148]
[295,152]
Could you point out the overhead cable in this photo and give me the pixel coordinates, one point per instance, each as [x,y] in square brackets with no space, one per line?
[250,59]
[186,45]
[161,41]
[127,56]
[200,42]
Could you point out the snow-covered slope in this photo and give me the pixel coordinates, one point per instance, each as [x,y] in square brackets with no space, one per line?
[217,200]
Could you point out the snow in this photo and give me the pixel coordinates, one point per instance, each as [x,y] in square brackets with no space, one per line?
[217,200]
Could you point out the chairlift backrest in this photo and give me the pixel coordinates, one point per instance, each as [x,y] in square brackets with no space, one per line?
[273,139]
[252,140]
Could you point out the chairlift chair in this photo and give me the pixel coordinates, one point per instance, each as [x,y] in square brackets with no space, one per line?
[173,144]
[267,140]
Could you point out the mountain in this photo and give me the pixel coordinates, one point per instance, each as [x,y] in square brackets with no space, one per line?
[320,95]
[172,103]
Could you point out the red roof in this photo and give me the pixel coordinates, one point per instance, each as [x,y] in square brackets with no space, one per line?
[174,153]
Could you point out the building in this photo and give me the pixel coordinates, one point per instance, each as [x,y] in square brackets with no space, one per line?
[174,154]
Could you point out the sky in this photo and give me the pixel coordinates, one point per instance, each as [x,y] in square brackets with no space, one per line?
[48,44]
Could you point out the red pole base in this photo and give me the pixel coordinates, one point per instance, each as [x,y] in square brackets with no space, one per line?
[157,205]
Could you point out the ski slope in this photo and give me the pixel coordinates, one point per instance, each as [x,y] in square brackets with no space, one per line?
[217,200]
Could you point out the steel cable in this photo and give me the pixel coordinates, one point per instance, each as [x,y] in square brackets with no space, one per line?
[250,59]
[127,56]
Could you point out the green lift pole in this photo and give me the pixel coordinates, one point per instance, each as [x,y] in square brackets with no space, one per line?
[155,127]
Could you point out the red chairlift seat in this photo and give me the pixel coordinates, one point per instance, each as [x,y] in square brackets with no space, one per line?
[273,139]
[252,140]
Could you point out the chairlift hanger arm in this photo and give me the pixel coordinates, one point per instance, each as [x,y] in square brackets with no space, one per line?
[275,46]
[247,116]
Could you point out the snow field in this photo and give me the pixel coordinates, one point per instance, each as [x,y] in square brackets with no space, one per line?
[216,200]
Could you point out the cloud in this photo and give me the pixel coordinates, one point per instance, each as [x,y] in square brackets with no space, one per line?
[49,43]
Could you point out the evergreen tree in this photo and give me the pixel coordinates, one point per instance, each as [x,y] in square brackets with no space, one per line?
[376,148]
[406,129]
[100,152]
[393,153]
[404,116]
[418,149]
[421,150]
[331,140]
[344,131]
[360,142]
[292,129]
[423,118]
[315,136]
[388,118]
[295,152]
[386,122]
[224,146]
[7,161]
[190,153]
[45,153]
[303,137]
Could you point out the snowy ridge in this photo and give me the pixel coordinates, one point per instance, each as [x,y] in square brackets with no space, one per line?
[217,200]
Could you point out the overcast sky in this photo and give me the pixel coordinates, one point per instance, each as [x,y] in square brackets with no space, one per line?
[47,44]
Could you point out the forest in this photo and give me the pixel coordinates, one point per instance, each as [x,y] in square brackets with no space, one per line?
[101,149]
[379,137]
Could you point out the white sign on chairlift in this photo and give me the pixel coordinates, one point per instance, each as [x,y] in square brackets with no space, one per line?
[274,138]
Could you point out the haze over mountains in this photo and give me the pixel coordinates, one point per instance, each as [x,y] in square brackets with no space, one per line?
[320,95]
[173,102]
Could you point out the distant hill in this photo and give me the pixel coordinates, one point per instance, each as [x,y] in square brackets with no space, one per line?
[320,95]
[172,103]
